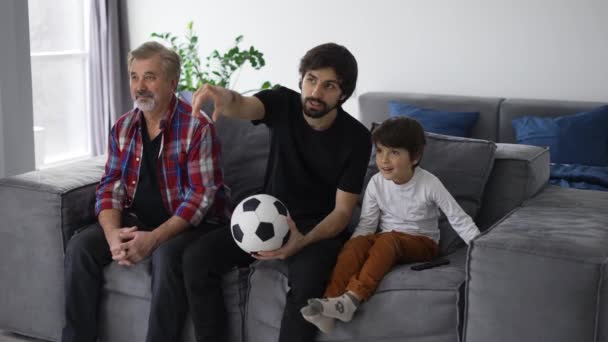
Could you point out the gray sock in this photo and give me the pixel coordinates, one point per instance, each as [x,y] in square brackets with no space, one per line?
[342,307]
[312,314]
[354,299]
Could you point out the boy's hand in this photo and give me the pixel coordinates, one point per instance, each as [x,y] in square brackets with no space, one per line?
[293,245]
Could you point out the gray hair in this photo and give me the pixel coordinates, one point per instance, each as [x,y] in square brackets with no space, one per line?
[170,61]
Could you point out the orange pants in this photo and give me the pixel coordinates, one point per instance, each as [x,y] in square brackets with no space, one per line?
[364,260]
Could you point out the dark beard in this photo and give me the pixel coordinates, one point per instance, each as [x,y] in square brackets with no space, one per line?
[316,114]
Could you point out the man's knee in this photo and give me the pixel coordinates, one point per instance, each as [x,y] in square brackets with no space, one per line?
[75,248]
[320,256]
[169,252]
[311,268]
[166,260]
[82,244]
[170,255]
[198,257]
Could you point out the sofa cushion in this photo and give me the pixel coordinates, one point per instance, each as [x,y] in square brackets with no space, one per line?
[453,123]
[125,303]
[463,165]
[132,281]
[245,149]
[581,138]
[432,299]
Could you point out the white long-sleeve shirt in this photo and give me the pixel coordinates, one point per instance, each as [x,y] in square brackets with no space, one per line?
[412,207]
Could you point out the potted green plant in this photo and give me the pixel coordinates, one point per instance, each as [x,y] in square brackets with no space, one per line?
[220,69]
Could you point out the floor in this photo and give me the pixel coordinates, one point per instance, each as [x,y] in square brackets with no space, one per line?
[8,337]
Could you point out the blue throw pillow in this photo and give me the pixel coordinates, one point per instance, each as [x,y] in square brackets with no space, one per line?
[580,138]
[457,124]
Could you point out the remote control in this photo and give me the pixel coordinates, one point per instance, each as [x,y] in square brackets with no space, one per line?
[430,264]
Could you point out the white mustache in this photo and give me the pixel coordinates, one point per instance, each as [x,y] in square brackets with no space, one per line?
[144,94]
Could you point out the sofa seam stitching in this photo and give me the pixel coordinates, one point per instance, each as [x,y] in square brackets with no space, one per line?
[499,105]
[598,303]
[467,296]
[526,252]
[48,191]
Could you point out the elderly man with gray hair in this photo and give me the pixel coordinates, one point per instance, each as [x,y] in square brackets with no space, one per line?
[161,187]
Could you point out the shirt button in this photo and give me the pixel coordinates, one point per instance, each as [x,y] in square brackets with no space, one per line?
[133,182]
[136,159]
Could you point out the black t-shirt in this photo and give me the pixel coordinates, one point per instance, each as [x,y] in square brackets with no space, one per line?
[305,166]
[148,202]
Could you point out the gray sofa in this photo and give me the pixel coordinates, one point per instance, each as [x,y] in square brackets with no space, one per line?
[538,273]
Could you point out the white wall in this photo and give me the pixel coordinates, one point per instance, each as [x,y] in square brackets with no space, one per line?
[554,49]
[16,119]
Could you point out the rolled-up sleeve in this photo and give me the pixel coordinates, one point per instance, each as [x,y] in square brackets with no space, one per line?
[202,161]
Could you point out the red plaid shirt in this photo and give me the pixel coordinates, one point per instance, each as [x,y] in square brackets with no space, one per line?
[189,174]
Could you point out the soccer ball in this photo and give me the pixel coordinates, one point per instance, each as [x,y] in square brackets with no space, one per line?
[259,223]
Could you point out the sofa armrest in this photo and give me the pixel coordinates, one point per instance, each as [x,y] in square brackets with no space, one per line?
[541,273]
[519,172]
[40,211]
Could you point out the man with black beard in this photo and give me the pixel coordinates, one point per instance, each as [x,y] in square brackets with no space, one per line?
[318,158]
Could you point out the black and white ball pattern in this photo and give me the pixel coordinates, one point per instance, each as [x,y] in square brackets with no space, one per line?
[259,223]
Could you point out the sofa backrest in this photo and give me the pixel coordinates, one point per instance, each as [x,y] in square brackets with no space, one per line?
[245,149]
[373,107]
[495,114]
[514,108]
[519,171]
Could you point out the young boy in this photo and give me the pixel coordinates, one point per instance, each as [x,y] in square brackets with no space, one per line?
[403,200]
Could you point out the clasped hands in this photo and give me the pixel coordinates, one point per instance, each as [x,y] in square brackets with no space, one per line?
[129,245]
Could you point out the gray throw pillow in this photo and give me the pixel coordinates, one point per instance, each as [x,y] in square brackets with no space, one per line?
[463,165]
